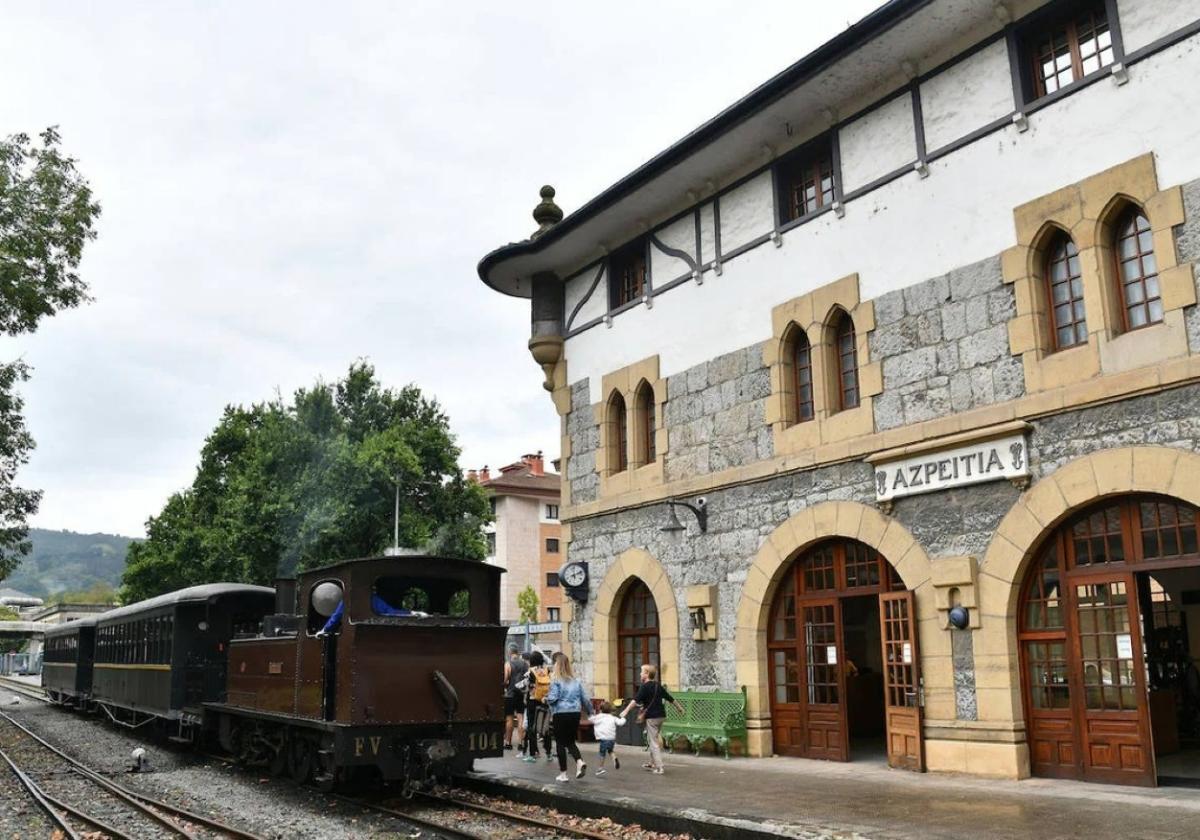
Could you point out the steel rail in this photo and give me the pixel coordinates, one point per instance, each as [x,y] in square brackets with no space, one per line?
[40,798]
[112,832]
[523,818]
[441,828]
[147,804]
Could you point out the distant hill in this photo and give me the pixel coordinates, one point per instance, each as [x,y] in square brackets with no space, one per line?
[63,561]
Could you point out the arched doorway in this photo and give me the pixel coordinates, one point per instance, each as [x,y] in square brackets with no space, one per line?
[842,658]
[637,636]
[1109,670]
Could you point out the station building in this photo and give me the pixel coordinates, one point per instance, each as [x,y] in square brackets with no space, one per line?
[917,320]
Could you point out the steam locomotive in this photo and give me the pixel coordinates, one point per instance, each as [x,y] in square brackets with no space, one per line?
[390,687]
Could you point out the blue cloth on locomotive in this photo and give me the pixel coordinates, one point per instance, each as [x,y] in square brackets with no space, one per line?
[382,607]
[335,619]
[568,696]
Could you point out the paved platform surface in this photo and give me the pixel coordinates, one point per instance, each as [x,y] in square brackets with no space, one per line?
[811,799]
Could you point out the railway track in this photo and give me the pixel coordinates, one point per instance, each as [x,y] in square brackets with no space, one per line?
[488,822]
[77,799]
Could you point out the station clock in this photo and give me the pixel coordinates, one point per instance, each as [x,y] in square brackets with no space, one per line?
[574,579]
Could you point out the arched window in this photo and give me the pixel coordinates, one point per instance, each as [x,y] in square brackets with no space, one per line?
[1137,270]
[1064,292]
[647,450]
[800,356]
[637,635]
[846,358]
[619,441]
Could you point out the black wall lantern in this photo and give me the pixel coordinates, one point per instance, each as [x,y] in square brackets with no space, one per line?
[700,510]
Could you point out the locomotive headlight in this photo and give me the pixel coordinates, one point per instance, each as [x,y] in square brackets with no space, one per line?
[202,626]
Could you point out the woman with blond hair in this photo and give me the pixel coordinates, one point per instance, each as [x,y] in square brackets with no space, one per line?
[567,701]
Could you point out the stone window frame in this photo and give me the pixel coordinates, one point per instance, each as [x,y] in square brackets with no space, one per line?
[814,314]
[1088,211]
[626,382]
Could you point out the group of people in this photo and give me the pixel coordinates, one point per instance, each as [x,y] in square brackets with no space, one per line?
[544,702]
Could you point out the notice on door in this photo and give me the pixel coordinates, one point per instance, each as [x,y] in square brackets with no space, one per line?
[908,653]
[831,654]
[1124,646]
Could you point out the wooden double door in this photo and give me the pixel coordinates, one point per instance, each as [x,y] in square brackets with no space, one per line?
[1083,660]
[812,680]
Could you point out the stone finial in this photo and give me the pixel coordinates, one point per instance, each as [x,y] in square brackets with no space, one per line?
[547,214]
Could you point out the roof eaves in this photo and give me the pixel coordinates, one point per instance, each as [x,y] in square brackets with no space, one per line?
[856,35]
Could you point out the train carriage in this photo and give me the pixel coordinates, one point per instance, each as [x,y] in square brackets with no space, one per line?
[67,662]
[164,657]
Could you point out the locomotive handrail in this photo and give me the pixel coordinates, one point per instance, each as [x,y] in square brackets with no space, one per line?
[448,692]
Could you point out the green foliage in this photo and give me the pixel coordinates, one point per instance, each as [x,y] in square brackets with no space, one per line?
[287,486]
[527,603]
[46,217]
[64,564]
[10,645]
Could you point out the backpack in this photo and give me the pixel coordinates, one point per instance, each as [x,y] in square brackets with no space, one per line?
[539,686]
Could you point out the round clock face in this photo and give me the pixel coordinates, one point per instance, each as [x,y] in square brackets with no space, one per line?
[574,575]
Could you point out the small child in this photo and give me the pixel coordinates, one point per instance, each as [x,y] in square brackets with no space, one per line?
[606,724]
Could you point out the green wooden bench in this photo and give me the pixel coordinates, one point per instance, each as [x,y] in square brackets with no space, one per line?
[719,715]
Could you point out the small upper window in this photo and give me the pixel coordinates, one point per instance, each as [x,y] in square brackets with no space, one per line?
[552,511]
[806,181]
[552,613]
[551,579]
[846,351]
[551,546]
[1064,288]
[800,352]
[1137,270]
[619,458]
[1068,48]
[645,411]
[627,274]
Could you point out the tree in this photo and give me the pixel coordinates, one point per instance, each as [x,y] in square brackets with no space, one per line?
[11,645]
[527,603]
[46,217]
[284,486]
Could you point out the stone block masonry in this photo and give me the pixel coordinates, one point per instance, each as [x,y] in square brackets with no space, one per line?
[944,346]
[584,435]
[715,414]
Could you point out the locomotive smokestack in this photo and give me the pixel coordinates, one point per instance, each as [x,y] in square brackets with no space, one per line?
[285,596]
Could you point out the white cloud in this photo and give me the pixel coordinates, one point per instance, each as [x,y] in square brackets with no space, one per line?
[288,187]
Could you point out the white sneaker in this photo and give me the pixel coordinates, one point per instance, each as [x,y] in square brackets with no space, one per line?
[601,772]
[562,777]
[580,770]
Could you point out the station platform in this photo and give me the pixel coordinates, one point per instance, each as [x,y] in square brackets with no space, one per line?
[815,800]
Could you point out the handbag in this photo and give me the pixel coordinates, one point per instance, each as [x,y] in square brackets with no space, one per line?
[641,718]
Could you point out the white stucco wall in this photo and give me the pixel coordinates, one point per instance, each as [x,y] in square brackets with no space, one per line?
[747,212]
[577,287]
[967,95]
[680,234]
[877,143]
[1144,21]
[517,550]
[912,229]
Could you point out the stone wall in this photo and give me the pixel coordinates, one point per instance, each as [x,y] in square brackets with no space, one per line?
[715,414]
[944,346]
[584,434]
[945,524]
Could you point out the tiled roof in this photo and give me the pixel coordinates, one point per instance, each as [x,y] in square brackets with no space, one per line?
[522,480]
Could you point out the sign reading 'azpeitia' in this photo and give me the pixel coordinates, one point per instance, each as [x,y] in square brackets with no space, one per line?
[1004,457]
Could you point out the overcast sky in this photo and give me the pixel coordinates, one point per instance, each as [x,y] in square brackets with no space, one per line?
[291,186]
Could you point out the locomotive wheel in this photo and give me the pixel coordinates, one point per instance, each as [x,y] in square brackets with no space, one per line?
[301,758]
[279,759]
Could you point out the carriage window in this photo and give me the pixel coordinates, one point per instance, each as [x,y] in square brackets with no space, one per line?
[420,597]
